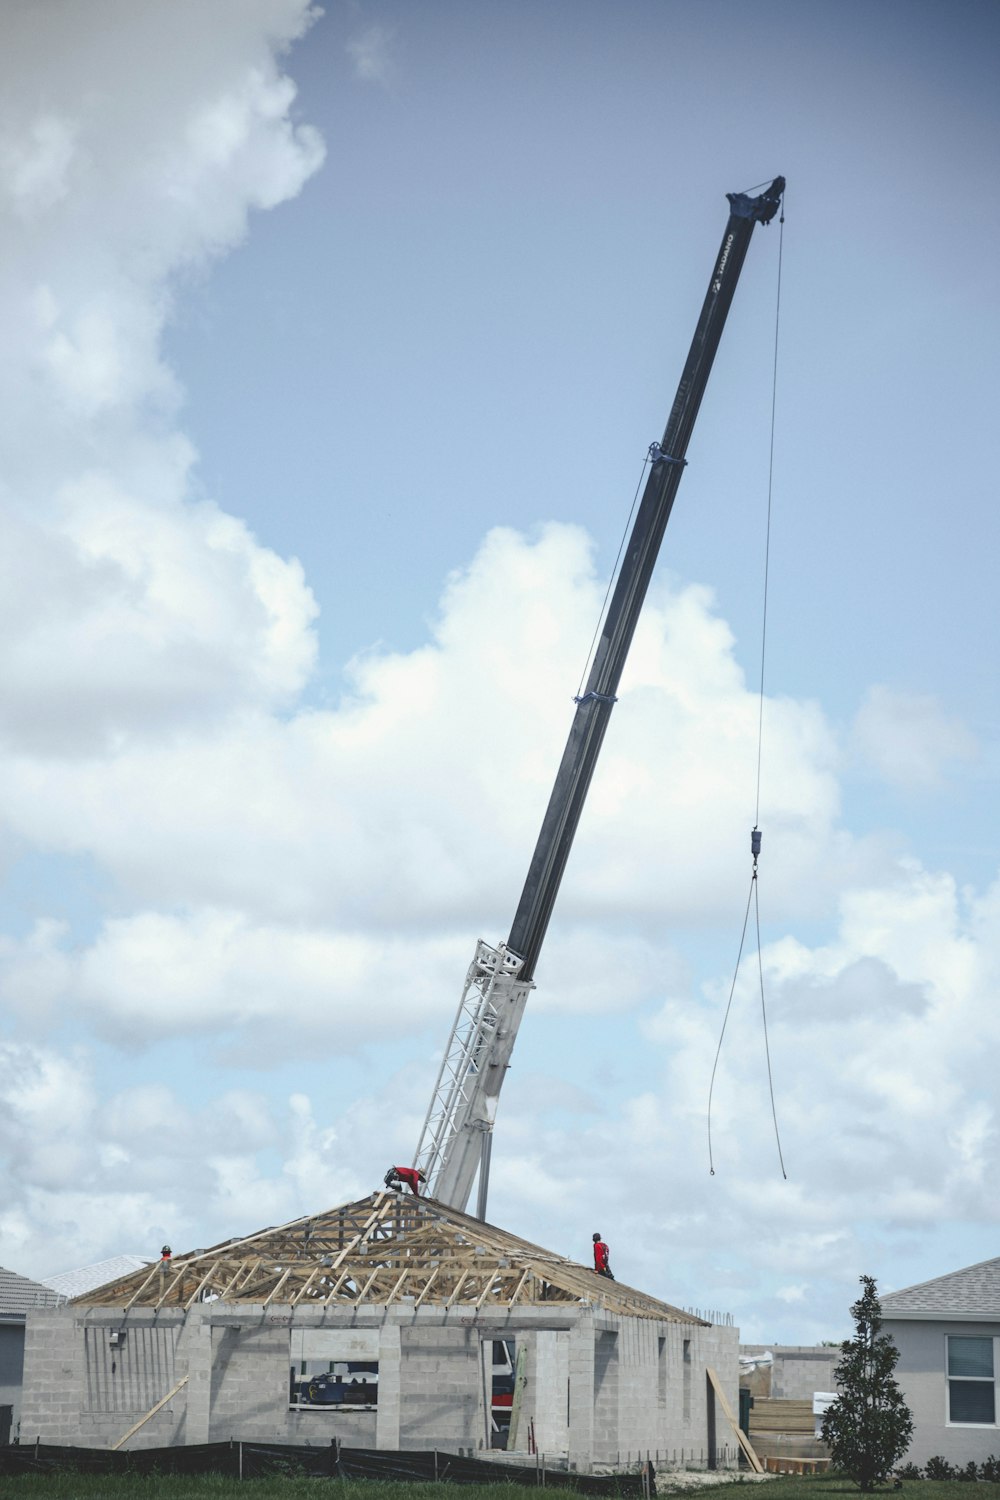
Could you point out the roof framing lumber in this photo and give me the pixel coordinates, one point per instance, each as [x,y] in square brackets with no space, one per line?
[383,1250]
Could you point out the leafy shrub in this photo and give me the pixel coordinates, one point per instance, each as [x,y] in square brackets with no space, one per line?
[939,1468]
[910,1471]
[989,1470]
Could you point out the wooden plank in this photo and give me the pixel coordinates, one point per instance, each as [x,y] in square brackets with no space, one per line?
[151,1413]
[427,1285]
[741,1436]
[783,1463]
[520,1286]
[143,1285]
[303,1289]
[458,1287]
[277,1288]
[207,1277]
[520,1381]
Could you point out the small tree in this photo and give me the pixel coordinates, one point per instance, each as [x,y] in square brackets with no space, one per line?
[868,1427]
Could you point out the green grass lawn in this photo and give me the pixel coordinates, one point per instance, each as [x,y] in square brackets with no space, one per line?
[834,1486]
[68,1486]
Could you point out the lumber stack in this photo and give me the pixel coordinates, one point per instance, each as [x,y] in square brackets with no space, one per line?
[784,1430]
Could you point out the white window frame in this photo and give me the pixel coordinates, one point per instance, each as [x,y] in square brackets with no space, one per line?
[972,1379]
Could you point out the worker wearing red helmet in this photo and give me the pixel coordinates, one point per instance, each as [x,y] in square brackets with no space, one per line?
[601,1256]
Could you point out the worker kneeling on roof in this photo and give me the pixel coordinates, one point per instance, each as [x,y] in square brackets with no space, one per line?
[396,1177]
[601,1256]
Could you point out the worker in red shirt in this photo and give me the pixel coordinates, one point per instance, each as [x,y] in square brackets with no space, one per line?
[601,1254]
[412,1177]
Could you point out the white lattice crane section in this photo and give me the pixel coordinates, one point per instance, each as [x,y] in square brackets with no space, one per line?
[456,1136]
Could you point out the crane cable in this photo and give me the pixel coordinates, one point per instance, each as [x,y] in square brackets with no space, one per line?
[611,580]
[755,836]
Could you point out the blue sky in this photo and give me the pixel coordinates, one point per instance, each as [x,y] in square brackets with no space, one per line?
[335,346]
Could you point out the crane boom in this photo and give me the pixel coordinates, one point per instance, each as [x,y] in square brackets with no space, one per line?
[457,1134]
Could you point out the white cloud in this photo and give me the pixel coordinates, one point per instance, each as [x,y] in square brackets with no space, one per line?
[162,129]
[371,54]
[34,168]
[160,615]
[909,739]
[338,856]
[83,1173]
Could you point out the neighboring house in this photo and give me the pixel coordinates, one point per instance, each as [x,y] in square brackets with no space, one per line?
[947,1332]
[77,1283]
[394,1322]
[18,1296]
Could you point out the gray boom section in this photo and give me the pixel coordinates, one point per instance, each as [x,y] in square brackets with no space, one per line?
[452,1144]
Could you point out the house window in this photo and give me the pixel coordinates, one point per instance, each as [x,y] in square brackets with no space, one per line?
[971,1381]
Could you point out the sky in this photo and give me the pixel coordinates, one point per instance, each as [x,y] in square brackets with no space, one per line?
[333,345]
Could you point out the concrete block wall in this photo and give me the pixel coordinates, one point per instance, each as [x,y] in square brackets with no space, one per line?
[247,1379]
[798,1373]
[65,1402]
[643,1409]
[441,1388]
[607,1392]
[663,1404]
[580,1443]
[545,1404]
[598,1386]
[796,1370]
[718,1347]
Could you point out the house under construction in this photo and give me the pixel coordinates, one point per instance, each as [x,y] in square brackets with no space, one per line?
[394,1322]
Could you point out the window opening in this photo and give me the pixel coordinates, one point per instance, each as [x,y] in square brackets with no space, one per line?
[333,1368]
[501,1355]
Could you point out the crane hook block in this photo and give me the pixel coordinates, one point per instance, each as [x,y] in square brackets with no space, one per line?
[755,843]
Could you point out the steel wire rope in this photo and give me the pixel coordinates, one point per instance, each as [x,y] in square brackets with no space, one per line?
[611,582]
[755,835]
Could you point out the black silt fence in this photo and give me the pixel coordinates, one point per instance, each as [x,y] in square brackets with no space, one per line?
[242,1460]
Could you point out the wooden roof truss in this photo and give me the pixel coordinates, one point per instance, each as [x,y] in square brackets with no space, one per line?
[383,1250]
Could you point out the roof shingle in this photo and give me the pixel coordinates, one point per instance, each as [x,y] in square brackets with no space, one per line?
[972,1292]
[19,1294]
[75,1283]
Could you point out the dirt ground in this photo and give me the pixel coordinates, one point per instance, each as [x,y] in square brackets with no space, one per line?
[684,1479]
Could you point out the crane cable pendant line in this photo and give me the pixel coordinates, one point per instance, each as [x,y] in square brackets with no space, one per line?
[654,455]
[755,834]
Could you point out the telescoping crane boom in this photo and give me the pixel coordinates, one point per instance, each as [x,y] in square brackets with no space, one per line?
[457,1135]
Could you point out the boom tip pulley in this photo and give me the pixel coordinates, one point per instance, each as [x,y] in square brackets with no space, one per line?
[761,209]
